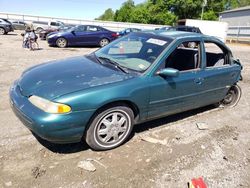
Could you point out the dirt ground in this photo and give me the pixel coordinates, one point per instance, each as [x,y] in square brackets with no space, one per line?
[220,153]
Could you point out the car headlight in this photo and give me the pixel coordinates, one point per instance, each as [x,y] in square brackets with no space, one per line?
[48,106]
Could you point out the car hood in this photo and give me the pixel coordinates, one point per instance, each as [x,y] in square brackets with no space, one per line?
[54,33]
[60,33]
[53,79]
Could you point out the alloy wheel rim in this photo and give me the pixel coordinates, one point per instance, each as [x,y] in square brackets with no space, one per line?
[1,31]
[61,42]
[112,128]
[104,42]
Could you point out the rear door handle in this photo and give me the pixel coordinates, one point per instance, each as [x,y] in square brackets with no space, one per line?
[198,80]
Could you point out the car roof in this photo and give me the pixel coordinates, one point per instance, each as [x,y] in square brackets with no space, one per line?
[88,25]
[174,34]
[179,34]
[184,26]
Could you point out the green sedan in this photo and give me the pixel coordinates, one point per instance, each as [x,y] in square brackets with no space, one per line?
[136,78]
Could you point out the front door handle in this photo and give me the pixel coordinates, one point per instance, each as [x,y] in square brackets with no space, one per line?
[198,80]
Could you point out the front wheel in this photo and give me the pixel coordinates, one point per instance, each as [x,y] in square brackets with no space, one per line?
[2,31]
[103,42]
[232,97]
[61,42]
[110,128]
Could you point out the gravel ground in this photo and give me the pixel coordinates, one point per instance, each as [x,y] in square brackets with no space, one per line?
[220,154]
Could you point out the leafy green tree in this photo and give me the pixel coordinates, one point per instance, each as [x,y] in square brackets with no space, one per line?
[184,9]
[125,12]
[107,15]
[243,3]
[140,14]
[160,13]
[210,15]
[167,12]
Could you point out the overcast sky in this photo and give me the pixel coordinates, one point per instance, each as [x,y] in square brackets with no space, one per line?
[82,9]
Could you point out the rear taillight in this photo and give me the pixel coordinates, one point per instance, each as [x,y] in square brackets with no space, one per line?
[114,34]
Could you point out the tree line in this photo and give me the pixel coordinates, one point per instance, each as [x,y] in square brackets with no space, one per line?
[167,12]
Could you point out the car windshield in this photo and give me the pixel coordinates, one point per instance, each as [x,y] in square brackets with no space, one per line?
[136,51]
[6,21]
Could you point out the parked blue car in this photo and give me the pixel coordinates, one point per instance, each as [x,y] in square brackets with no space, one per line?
[137,78]
[127,31]
[82,35]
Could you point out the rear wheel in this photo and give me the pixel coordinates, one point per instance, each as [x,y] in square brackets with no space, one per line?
[61,42]
[2,31]
[110,128]
[232,97]
[103,42]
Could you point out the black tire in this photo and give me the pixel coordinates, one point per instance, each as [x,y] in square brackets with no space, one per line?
[2,31]
[39,29]
[103,42]
[232,97]
[110,128]
[61,42]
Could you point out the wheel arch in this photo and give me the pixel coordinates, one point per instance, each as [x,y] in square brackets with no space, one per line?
[3,29]
[126,103]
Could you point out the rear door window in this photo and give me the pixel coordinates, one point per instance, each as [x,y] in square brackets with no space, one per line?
[216,56]
[92,28]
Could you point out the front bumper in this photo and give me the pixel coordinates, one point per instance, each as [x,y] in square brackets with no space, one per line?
[56,128]
[51,41]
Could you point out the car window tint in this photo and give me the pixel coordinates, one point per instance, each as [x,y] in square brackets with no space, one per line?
[182,29]
[54,24]
[185,57]
[7,21]
[92,28]
[80,28]
[126,47]
[215,55]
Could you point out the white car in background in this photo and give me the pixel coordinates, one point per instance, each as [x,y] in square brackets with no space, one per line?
[43,25]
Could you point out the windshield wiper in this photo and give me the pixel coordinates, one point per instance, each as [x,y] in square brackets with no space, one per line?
[116,65]
[97,59]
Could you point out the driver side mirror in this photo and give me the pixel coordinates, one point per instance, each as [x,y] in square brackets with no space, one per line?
[73,32]
[168,72]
